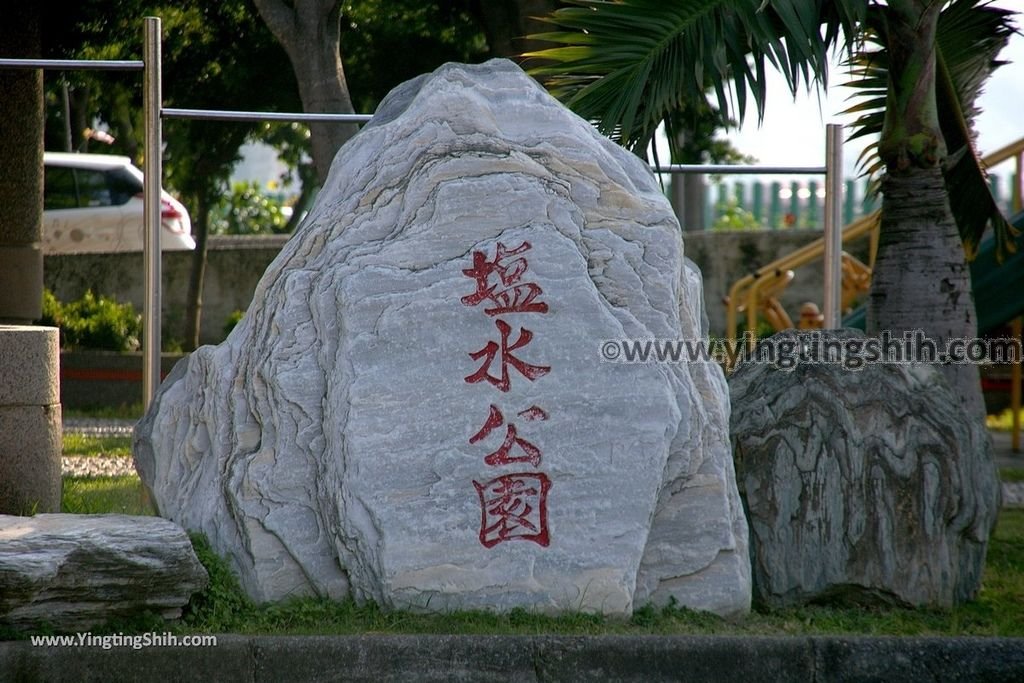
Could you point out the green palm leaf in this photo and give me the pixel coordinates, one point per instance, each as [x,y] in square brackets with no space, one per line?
[970,36]
[628,64]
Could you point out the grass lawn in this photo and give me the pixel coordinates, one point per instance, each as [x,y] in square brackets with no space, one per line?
[998,611]
[97,495]
[86,445]
[122,412]
[222,607]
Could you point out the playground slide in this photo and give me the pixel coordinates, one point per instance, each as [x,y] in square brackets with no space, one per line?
[998,288]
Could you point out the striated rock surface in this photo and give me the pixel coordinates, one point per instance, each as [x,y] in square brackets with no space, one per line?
[866,485]
[414,409]
[76,571]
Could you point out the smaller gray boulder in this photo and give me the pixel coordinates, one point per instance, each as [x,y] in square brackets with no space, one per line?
[76,571]
[867,485]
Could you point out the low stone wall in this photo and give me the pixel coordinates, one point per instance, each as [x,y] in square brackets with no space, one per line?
[90,379]
[234,266]
[236,263]
[382,658]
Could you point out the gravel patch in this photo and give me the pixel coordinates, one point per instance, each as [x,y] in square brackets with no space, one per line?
[77,466]
[74,466]
[98,427]
[1013,492]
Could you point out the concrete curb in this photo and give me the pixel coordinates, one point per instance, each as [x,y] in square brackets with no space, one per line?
[531,658]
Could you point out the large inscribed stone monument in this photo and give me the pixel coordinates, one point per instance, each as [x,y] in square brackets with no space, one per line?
[414,410]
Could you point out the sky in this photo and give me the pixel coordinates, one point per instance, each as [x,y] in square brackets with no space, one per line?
[793,133]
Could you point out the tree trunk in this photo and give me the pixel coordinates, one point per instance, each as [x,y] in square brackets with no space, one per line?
[194,311]
[921,280]
[21,169]
[506,22]
[309,31]
[689,192]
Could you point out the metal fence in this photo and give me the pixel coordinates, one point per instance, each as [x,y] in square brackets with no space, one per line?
[799,203]
[154,113]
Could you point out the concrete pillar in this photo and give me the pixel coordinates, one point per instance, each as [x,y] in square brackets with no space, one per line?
[22,118]
[30,420]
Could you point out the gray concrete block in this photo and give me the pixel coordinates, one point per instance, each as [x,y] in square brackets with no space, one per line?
[370,657]
[30,448]
[29,365]
[919,660]
[228,662]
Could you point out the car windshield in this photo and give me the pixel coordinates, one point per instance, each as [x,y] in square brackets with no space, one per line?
[69,188]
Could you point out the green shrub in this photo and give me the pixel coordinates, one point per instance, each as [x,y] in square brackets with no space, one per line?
[233,319]
[93,323]
[222,605]
[248,210]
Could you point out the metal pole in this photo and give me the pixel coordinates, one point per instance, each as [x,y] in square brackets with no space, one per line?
[833,226]
[728,169]
[1015,399]
[153,172]
[230,115]
[73,64]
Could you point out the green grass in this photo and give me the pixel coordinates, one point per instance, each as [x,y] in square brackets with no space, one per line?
[1014,474]
[998,610]
[96,495]
[85,445]
[1003,422]
[223,607]
[122,412]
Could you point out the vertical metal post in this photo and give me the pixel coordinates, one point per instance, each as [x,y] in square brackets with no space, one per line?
[1015,399]
[153,173]
[833,226]
[1017,196]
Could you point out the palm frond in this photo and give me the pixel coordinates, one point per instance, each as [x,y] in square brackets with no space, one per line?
[970,36]
[628,64]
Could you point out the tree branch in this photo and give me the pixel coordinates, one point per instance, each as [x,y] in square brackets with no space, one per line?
[280,19]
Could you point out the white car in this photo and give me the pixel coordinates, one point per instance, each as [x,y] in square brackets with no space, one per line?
[93,203]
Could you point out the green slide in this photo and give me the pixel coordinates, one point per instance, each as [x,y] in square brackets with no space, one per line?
[998,288]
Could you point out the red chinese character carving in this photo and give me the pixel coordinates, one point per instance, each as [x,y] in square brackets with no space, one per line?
[534,413]
[503,456]
[494,420]
[514,508]
[503,382]
[517,297]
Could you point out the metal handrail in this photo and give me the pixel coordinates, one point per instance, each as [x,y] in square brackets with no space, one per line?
[227,115]
[865,225]
[730,169]
[74,64]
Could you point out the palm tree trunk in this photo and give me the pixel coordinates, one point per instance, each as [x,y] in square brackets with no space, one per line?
[921,280]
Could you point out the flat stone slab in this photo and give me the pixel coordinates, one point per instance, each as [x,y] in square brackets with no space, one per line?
[76,571]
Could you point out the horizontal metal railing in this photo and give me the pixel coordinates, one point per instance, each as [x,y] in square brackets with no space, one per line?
[746,169]
[746,289]
[228,115]
[74,64]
